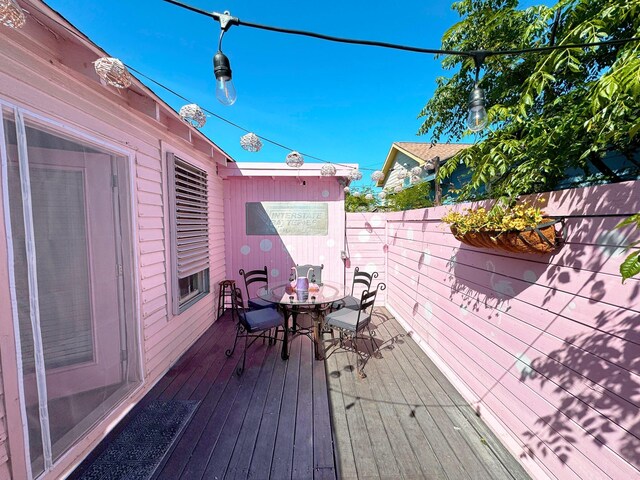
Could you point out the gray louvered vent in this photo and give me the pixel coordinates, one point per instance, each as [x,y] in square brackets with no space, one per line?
[191,221]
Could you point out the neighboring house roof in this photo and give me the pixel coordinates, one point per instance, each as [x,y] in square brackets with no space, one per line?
[420,152]
[138,97]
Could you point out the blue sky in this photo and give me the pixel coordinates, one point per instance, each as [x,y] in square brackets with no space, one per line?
[342,103]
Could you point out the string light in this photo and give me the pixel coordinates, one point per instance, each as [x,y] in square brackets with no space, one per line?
[250,142]
[193,115]
[328,170]
[11,14]
[294,159]
[113,72]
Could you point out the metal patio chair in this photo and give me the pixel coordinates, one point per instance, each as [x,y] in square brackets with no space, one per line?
[261,280]
[350,323]
[351,301]
[301,271]
[252,324]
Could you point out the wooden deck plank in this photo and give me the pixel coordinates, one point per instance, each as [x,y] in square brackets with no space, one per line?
[479,462]
[268,426]
[323,459]
[282,463]
[345,459]
[303,439]
[247,407]
[210,391]
[411,448]
[213,429]
[364,456]
[497,460]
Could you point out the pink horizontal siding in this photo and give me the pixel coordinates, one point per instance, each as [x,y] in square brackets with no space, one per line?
[547,346]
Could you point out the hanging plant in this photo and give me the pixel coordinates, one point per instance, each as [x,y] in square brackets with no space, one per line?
[521,229]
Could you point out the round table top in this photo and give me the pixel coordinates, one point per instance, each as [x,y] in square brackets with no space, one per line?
[286,294]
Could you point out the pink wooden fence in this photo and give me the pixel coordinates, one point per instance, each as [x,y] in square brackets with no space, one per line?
[546,348]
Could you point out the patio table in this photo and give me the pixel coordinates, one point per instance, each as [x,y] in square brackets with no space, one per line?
[315,301]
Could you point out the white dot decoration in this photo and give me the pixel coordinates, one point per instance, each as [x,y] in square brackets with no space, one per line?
[410,234]
[11,15]
[325,194]
[377,175]
[245,250]
[328,170]
[529,276]
[250,142]
[266,245]
[331,242]
[357,256]
[382,195]
[347,189]
[364,236]
[356,194]
[321,258]
[572,305]
[397,188]
[369,196]
[113,71]
[355,174]
[463,310]
[523,364]
[377,221]
[416,171]
[401,173]
[193,115]
[294,159]
[428,311]
[275,272]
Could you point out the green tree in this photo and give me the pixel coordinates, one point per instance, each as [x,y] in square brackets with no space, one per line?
[360,203]
[416,196]
[548,111]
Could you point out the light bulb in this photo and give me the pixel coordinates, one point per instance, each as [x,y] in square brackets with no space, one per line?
[477,118]
[225,90]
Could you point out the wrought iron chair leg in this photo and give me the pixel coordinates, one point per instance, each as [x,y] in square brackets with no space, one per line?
[230,351]
[240,370]
[361,373]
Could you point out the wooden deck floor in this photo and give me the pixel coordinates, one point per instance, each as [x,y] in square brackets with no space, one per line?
[307,419]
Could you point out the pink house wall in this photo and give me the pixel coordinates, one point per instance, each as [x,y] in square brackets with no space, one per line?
[280,253]
[545,348]
[35,75]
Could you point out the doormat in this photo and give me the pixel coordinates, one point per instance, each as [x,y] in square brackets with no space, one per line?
[143,444]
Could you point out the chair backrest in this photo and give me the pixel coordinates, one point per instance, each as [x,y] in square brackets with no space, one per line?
[363,278]
[367,302]
[237,307]
[259,277]
[301,271]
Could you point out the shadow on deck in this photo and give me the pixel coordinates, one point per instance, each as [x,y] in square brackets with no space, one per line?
[282,420]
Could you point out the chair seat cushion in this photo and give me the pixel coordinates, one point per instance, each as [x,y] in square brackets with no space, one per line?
[346,319]
[263,319]
[349,302]
[258,303]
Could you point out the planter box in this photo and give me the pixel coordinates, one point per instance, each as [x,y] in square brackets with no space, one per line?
[545,238]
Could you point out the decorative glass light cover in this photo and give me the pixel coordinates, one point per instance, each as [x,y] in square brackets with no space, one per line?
[414,179]
[193,115]
[416,171]
[112,71]
[356,194]
[369,196]
[11,15]
[294,159]
[347,189]
[401,173]
[377,175]
[355,174]
[382,195]
[328,170]
[250,142]
[398,188]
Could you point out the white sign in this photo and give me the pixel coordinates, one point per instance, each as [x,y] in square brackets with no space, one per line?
[287,218]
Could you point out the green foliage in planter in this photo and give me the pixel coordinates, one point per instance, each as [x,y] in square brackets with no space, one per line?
[500,218]
[416,196]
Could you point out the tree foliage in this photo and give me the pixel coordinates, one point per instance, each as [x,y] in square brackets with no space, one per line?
[360,203]
[415,196]
[548,111]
